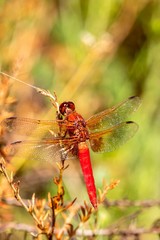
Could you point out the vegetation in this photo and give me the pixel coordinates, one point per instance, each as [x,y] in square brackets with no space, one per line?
[96,54]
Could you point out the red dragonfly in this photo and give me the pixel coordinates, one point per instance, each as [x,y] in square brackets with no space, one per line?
[69,133]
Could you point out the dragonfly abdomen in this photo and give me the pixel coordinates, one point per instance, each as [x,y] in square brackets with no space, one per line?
[85,161]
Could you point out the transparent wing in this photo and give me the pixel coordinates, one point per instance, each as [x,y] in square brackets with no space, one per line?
[110,139]
[113,116]
[36,128]
[49,150]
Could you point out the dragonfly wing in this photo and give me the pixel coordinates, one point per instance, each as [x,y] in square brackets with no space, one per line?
[110,139]
[113,116]
[45,150]
[32,127]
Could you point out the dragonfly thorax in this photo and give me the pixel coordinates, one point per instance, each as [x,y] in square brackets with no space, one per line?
[77,126]
[81,133]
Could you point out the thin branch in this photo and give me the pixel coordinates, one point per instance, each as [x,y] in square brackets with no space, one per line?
[84,232]
[53,98]
[18,80]
[117,203]
[109,232]
[13,202]
[15,187]
[18,226]
[126,232]
[128,203]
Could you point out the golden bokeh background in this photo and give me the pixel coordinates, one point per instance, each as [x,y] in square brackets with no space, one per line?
[96,54]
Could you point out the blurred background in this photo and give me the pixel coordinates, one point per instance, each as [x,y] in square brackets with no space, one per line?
[95,54]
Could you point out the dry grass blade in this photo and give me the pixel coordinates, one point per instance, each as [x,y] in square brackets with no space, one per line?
[106,188]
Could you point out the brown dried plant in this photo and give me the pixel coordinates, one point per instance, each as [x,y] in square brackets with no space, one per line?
[45,212]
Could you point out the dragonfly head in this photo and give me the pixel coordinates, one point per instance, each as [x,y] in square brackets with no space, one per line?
[66,107]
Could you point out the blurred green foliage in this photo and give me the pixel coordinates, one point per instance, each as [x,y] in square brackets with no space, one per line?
[50,44]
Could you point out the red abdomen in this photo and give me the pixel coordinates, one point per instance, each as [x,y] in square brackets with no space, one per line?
[85,161]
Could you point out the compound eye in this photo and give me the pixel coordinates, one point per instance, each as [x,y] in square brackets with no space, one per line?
[66,105]
[71,106]
[62,108]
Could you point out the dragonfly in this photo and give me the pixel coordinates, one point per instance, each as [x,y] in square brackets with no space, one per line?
[71,135]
